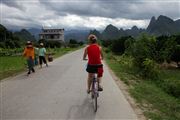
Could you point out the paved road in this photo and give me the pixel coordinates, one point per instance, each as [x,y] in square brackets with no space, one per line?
[59,92]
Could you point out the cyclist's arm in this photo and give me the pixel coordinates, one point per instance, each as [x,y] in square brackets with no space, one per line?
[85,54]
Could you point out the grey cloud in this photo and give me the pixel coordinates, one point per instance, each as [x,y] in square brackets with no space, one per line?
[130,9]
[13,3]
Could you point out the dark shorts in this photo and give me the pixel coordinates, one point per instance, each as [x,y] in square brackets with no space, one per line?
[42,59]
[95,69]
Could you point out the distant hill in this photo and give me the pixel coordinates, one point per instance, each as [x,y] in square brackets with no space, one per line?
[3,32]
[110,32]
[79,35]
[24,35]
[163,25]
[35,32]
[97,33]
[8,39]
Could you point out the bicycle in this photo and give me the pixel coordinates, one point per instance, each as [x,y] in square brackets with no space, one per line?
[94,91]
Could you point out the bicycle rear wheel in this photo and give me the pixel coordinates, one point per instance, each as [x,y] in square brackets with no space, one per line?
[95,104]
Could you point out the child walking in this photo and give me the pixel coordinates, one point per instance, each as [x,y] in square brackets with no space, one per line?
[29,54]
[42,54]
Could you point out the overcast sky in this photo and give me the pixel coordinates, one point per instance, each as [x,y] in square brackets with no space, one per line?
[91,14]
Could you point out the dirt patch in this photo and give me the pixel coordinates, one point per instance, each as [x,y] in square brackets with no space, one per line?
[124,88]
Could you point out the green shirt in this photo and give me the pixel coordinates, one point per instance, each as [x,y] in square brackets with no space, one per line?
[42,51]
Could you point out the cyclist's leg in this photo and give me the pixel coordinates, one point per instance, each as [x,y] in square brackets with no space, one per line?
[99,81]
[100,74]
[89,81]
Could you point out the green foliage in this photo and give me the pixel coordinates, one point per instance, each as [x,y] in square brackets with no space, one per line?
[170,82]
[143,53]
[11,52]
[73,45]
[118,46]
[72,41]
[176,55]
[2,45]
[161,47]
[150,69]
[106,43]
[9,39]
[81,43]
[157,105]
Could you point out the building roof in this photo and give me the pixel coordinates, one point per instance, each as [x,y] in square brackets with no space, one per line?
[52,28]
[51,33]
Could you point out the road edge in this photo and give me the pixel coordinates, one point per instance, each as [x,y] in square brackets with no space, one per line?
[124,88]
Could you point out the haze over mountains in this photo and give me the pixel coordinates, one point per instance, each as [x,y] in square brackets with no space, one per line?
[163,25]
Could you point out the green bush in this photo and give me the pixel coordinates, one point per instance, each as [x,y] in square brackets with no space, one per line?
[141,49]
[172,87]
[73,41]
[176,55]
[143,54]
[73,45]
[118,46]
[150,69]
[81,43]
[106,43]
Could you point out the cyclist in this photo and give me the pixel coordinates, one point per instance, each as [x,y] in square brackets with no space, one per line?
[94,53]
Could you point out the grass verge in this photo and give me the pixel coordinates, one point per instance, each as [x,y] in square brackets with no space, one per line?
[151,95]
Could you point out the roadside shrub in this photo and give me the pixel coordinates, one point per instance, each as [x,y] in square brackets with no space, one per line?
[150,69]
[2,45]
[107,50]
[106,43]
[73,45]
[171,87]
[73,41]
[176,55]
[170,46]
[81,43]
[9,44]
[142,51]
[118,46]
